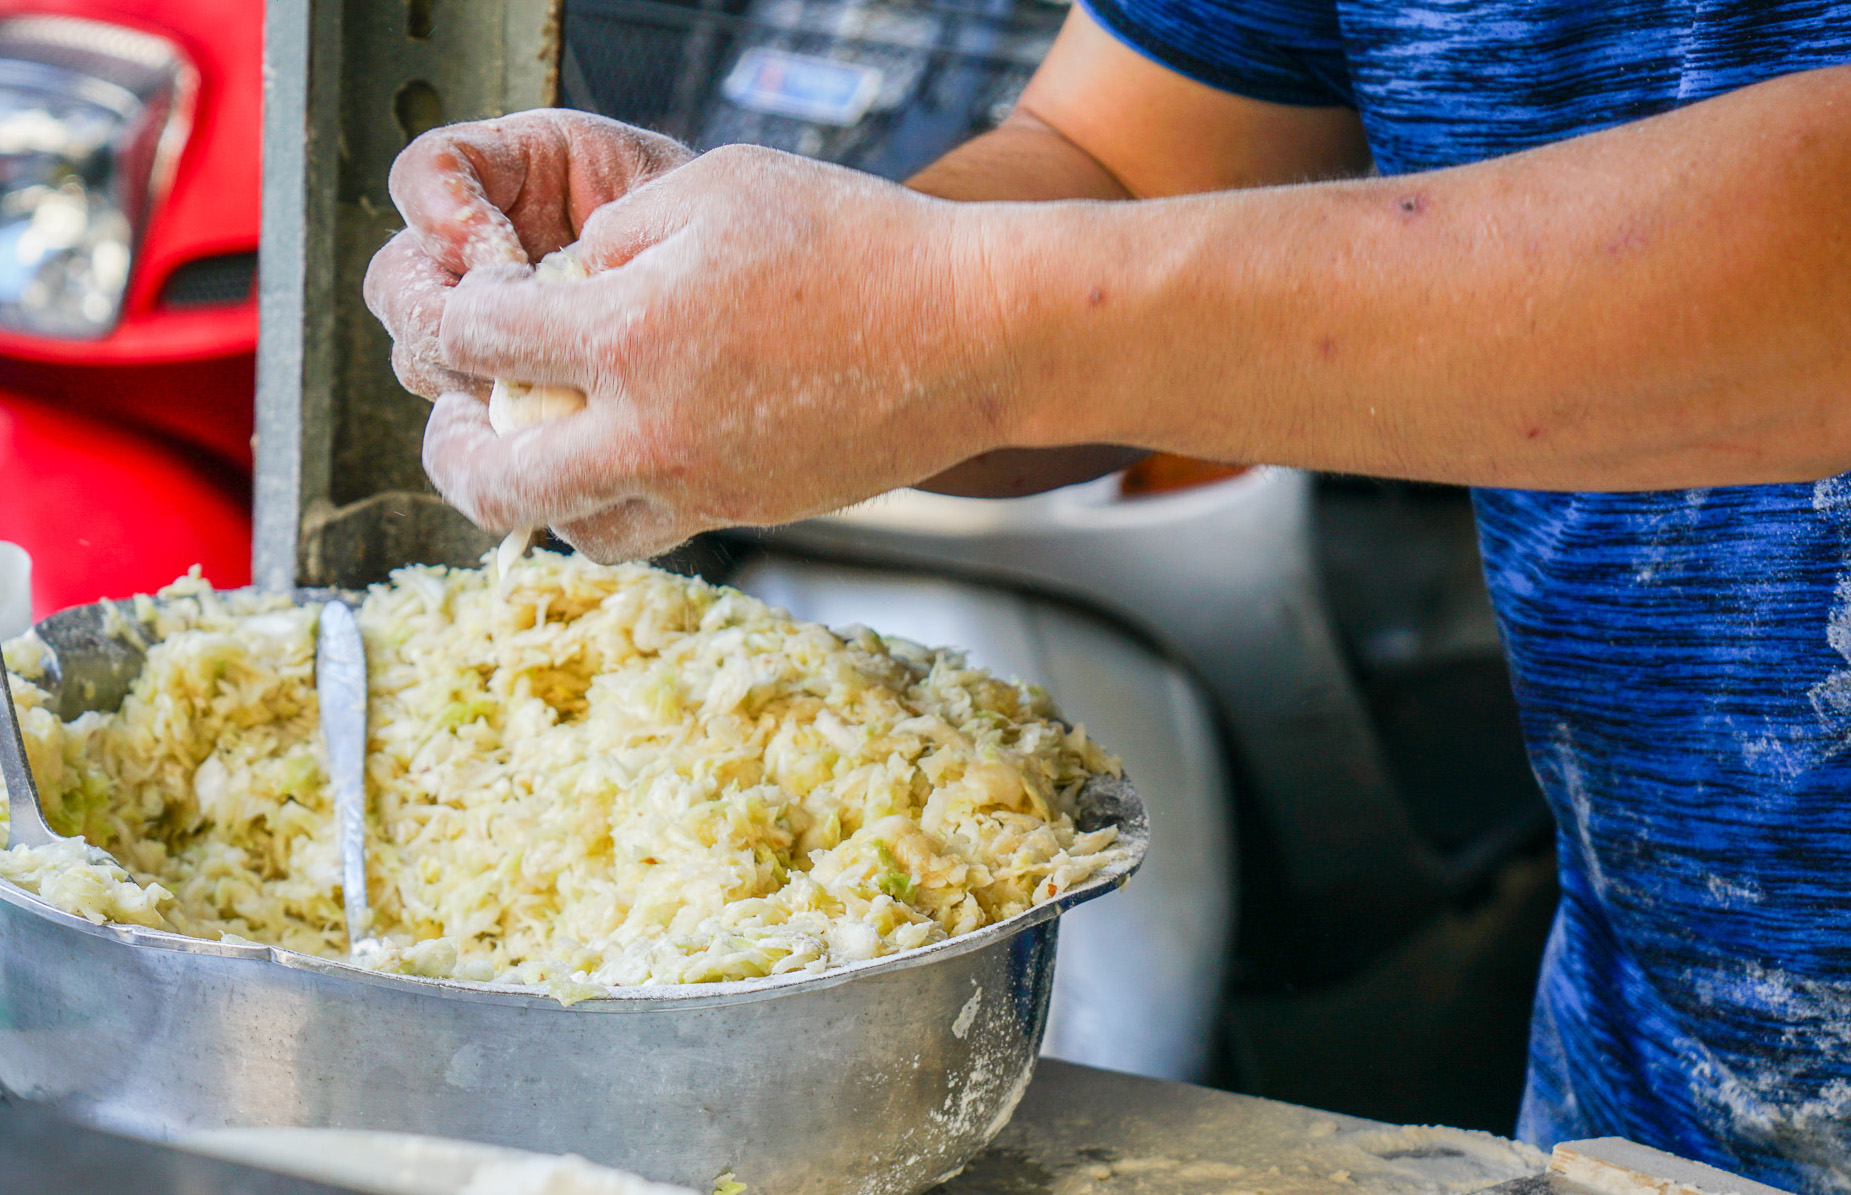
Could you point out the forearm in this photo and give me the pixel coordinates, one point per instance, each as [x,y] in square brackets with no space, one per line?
[1665,304]
[1023,159]
[1100,121]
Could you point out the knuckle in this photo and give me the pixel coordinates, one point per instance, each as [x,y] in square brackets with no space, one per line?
[417,159]
[588,122]
[454,335]
[373,292]
[660,152]
[405,367]
[384,277]
[436,468]
[457,485]
[415,375]
[459,352]
[448,334]
[741,154]
[726,156]
[398,176]
[600,223]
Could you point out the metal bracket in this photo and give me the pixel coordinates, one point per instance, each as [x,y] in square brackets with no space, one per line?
[341,497]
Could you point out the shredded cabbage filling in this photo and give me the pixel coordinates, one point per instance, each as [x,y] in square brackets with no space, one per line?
[579,777]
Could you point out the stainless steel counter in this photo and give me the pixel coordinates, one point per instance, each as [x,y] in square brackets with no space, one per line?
[1078,1132]
[1088,1132]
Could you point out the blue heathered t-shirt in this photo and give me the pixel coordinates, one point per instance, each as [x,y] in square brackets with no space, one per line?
[1682,659]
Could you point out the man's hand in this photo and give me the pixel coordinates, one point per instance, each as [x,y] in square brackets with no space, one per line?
[1660,305]
[494,192]
[763,338]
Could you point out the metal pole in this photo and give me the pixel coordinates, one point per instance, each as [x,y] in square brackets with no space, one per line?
[340,496]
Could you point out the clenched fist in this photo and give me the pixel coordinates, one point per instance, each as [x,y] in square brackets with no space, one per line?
[494,192]
[761,338]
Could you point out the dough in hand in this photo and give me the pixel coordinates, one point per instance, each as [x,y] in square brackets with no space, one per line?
[518,404]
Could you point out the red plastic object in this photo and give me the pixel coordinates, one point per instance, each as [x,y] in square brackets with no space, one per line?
[107,513]
[127,459]
[204,404]
[213,206]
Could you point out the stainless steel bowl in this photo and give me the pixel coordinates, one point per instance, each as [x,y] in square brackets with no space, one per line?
[881,1078]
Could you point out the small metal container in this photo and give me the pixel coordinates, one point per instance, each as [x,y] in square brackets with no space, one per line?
[877,1079]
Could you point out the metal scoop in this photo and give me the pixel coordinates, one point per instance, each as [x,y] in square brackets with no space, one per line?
[26,824]
[340,688]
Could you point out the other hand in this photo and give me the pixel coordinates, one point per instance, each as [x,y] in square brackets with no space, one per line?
[494,192]
[763,338]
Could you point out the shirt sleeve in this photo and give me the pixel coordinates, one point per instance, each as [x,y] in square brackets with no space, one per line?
[1279,51]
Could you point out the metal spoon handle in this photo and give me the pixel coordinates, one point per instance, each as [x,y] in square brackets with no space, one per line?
[25,820]
[340,686]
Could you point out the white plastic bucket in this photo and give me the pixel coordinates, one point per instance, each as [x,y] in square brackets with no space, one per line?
[15,590]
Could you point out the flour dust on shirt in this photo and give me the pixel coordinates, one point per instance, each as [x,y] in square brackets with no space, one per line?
[1682,659]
